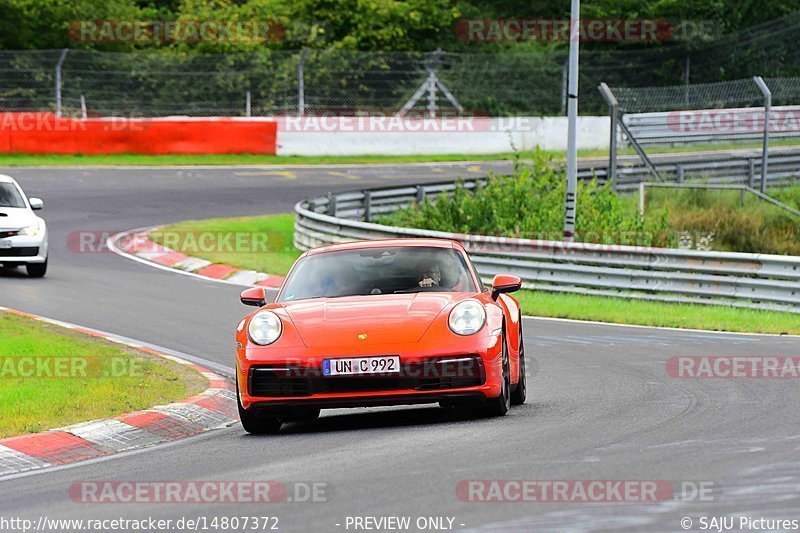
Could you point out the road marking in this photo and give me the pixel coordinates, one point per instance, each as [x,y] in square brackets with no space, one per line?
[288,174]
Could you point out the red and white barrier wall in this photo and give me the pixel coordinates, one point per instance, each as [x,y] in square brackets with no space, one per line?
[44,133]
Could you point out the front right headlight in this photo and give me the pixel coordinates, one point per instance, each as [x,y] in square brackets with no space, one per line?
[31,231]
[265,328]
[467,318]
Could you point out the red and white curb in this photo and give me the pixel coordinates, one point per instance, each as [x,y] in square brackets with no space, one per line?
[211,409]
[136,245]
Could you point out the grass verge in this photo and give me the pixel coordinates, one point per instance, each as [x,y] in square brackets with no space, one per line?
[19,160]
[573,306]
[33,160]
[657,314]
[279,230]
[53,377]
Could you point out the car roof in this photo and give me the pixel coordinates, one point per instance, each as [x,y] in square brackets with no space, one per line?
[358,245]
[6,179]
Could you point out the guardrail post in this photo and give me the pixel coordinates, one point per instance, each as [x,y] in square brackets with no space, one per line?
[332,204]
[420,194]
[367,206]
[564,70]
[679,173]
[58,80]
[762,86]
[301,85]
[613,113]
[642,186]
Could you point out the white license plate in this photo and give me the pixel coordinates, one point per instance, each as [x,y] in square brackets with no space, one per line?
[5,244]
[350,366]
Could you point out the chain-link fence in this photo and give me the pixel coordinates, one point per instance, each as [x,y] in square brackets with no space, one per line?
[747,113]
[278,82]
[271,83]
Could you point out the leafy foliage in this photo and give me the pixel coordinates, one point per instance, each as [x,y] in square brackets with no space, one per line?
[530,204]
[356,24]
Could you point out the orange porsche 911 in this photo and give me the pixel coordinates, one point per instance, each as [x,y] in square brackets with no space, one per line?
[374,323]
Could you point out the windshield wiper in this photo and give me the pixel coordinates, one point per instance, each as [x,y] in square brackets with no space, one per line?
[422,289]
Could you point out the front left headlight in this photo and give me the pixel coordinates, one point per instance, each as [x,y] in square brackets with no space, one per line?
[32,230]
[467,318]
[265,328]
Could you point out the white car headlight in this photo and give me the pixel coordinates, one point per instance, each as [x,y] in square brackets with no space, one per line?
[31,231]
[265,328]
[467,318]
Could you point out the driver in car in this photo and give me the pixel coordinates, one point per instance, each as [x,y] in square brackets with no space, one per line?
[431,276]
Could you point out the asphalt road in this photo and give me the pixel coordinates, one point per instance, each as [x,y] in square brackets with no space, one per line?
[601,405]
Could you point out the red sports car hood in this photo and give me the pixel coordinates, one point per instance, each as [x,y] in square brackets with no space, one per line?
[386,318]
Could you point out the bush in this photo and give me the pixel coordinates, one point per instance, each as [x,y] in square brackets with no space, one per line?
[530,204]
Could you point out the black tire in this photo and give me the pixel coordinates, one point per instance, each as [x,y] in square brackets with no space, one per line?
[301,415]
[256,422]
[36,270]
[520,392]
[499,406]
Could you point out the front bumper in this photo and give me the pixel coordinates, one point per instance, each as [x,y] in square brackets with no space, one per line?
[428,375]
[24,249]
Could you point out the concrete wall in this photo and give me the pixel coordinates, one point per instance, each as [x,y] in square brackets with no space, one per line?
[389,135]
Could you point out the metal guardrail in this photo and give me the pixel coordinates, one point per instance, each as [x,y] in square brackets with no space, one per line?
[735,279]
[784,168]
[709,125]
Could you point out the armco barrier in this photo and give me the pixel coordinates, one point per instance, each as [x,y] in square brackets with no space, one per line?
[734,279]
[712,125]
[44,133]
[783,169]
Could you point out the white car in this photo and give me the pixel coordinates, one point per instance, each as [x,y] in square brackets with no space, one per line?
[23,235]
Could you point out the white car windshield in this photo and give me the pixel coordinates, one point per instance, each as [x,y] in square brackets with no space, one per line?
[374,271]
[9,196]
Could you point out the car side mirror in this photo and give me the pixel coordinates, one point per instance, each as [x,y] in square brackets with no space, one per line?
[36,203]
[503,283]
[254,296]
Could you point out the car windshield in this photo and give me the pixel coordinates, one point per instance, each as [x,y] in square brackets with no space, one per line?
[374,271]
[9,196]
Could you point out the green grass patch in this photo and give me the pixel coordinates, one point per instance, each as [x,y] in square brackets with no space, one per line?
[52,377]
[657,314]
[11,160]
[727,221]
[33,160]
[278,253]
